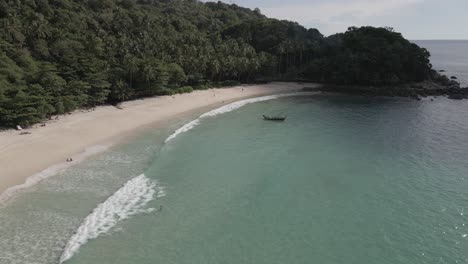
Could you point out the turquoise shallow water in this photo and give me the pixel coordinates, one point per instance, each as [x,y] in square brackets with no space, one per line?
[342,180]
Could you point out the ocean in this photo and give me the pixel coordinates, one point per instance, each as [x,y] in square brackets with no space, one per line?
[345,179]
[450,56]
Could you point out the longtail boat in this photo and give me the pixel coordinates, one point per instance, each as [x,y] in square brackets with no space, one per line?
[274,118]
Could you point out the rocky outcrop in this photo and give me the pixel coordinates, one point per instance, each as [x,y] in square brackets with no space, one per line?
[458,96]
[415,90]
[436,85]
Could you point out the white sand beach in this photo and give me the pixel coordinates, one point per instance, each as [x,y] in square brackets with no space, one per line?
[22,156]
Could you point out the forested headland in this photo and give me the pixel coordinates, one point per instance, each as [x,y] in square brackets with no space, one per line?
[60,55]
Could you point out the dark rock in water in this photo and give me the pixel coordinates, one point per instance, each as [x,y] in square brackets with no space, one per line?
[442,80]
[310,89]
[457,96]
[416,86]
[454,84]
[440,86]
[453,77]
[442,71]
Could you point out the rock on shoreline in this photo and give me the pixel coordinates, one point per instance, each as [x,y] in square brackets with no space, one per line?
[436,85]
[414,90]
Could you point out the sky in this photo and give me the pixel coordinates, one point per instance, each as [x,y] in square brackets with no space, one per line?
[415,19]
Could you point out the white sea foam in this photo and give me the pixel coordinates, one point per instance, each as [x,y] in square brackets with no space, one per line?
[236,105]
[50,171]
[229,108]
[183,129]
[136,193]
[127,201]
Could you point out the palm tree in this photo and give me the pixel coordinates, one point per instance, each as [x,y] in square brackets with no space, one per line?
[12,30]
[120,91]
[149,73]
[214,69]
[131,67]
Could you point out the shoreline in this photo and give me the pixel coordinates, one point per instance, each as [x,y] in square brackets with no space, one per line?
[25,158]
[410,90]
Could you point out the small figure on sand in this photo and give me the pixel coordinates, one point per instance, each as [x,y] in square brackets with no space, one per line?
[69,159]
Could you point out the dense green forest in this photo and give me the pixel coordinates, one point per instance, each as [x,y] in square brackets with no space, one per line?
[60,55]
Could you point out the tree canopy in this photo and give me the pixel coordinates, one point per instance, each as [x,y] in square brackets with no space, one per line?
[60,55]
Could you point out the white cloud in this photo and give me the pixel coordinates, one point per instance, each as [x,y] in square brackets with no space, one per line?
[337,16]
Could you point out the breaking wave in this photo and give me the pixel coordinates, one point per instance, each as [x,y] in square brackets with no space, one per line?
[229,108]
[136,193]
[127,201]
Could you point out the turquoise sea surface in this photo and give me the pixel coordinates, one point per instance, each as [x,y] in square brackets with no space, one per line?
[343,180]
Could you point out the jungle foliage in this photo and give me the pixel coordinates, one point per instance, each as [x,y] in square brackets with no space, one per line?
[60,55]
